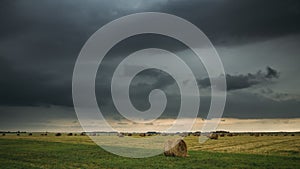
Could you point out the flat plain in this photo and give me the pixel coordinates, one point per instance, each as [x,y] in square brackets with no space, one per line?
[64,151]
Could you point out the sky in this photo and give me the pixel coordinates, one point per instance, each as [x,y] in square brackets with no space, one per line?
[257,41]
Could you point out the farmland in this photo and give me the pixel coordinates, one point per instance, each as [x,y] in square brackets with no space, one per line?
[80,152]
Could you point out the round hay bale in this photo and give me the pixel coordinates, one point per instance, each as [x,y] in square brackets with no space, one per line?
[58,134]
[213,136]
[175,148]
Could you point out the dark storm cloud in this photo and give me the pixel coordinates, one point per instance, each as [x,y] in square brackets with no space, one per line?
[40,41]
[271,73]
[233,22]
[38,48]
[28,88]
[235,82]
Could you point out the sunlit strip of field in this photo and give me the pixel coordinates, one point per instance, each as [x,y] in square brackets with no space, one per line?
[278,145]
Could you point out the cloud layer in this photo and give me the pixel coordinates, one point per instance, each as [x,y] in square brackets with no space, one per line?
[40,42]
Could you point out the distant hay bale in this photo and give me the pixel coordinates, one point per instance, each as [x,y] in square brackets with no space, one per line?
[18,134]
[293,135]
[197,133]
[3,134]
[83,134]
[142,134]
[222,135]
[175,148]
[70,134]
[58,134]
[30,134]
[213,136]
[129,134]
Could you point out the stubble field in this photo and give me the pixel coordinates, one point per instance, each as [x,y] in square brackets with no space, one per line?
[81,152]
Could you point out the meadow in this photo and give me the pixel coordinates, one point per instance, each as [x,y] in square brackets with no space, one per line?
[64,151]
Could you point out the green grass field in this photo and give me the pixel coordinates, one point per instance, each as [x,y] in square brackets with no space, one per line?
[80,152]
